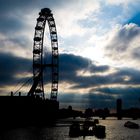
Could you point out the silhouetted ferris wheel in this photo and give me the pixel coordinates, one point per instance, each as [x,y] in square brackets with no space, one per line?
[37,88]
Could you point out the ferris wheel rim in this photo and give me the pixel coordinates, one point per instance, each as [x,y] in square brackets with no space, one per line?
[45,15]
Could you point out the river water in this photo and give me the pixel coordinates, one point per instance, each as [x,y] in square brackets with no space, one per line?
[115,130]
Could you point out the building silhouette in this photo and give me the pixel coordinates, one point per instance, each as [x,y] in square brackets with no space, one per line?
[119,108]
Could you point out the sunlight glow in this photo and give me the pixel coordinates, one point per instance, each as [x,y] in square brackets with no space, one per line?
[84,73]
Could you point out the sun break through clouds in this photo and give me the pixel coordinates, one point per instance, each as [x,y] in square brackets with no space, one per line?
[98,46]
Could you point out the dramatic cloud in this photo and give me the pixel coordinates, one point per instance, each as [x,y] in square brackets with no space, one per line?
[18,46]
[12,66]
[13,69]
[130,98]
[98,45]
[124,45]
[129,95]
[99,86]
[87,100]
[69,66]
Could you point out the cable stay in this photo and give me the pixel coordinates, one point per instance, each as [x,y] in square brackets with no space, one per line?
[22,80]
[25,83]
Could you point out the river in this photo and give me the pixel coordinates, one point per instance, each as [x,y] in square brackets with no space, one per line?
[115,130]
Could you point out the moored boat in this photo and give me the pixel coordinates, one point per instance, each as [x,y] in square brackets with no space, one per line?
[131,125]
[89,128]
[74,130]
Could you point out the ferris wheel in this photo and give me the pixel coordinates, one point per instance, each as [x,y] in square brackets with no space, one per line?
[37,89]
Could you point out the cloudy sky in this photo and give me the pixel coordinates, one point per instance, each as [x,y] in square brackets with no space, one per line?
[99,47]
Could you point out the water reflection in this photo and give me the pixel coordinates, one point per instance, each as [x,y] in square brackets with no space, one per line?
[114,131]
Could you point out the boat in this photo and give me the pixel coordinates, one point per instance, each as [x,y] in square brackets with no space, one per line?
[89,128]
[74,130]
[96,121]
[131,125]
[99,131]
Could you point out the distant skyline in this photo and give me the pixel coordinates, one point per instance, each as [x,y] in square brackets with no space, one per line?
[99,47]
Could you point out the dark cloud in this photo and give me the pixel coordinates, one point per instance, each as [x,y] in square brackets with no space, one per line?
[129,95]
[73,63]
[90,81]
[94,68]
[128,33]
[123,92]
[10,66]
[13,12]
[132,74]
[121,76]
[119,46]
[12,15]
[136,53]
[7,5]
[87,100]
[27,5]
[10,24]
[69,65]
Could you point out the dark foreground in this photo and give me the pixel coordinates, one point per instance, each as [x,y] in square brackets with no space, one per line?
[23,111]
[115,130]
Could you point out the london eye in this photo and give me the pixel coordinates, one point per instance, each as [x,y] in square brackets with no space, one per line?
[37,89]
